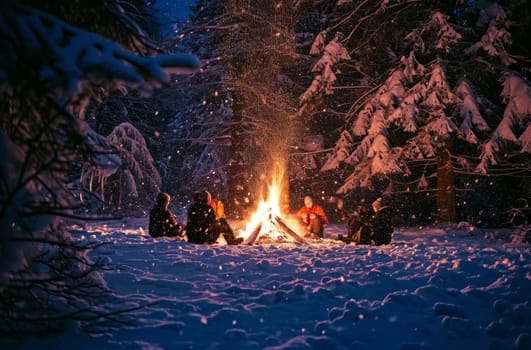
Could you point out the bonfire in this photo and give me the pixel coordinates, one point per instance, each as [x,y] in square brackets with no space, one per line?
[268,224]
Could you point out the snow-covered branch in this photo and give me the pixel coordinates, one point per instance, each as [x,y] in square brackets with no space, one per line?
[63,57]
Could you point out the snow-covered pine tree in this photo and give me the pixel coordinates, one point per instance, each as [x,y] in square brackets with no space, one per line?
[48,68]
[425,115]
[492,20]
[514,129]
[347,42]
[133,187]
[325,68]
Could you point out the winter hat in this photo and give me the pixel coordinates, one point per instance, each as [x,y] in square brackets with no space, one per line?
[201,197]
[163,199]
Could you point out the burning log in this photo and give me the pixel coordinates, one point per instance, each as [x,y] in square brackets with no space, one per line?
[276,222]
[254,234]
[288,230]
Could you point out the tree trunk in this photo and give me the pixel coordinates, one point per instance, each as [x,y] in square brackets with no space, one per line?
[262,103]
[238,172]
[446,200]
[285,197]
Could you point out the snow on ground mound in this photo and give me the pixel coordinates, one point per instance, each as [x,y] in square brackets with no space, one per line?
[430,289]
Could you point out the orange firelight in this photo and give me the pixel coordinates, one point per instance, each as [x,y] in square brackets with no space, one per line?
[269,210]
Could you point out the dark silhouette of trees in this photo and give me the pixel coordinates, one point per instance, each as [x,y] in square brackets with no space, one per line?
[49,71]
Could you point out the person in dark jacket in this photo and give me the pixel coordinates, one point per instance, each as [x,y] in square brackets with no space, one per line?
[358,226]
[202,226]
[372,225]
[382,226]
[340,211]
[162,222]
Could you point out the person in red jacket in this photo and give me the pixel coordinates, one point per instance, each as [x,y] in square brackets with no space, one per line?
[313,217]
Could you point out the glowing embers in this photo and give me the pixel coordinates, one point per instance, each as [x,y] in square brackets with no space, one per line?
[272,229]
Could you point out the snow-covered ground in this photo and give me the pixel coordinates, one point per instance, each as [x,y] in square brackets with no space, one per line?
[432,288]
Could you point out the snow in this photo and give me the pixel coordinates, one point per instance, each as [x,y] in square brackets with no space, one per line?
[412,67]
[525,140]
[517,94]
[341,150]
[442,125]
[382,161]
[469,110]
[73,56]
[445,34]
[497,35]
[517,90]
[325,77]
[433,288]
[318,44]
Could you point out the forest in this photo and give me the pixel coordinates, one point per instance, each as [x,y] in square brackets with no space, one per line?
[426,104]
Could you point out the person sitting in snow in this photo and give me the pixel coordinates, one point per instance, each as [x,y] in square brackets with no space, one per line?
[162,222]
[313,217]
[224,227]
[202,226]
[382,226]
[358,224]
[371,225]
[340,212]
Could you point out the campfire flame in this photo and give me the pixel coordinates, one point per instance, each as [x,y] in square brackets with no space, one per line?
[267,209]
[268,213]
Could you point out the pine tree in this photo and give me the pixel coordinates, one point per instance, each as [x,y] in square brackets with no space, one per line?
[430,120]
[132,188]
[48,71]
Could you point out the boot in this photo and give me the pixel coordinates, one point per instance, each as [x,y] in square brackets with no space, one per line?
[235,241]
[345,239]
[231,240]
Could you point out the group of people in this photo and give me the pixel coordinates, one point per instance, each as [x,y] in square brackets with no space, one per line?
[206,221]
[370,224]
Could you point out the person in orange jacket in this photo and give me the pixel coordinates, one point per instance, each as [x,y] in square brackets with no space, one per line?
[313,217]
[217,205]
[223,225]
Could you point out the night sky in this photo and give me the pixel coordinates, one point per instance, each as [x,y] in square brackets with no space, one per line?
[175,9]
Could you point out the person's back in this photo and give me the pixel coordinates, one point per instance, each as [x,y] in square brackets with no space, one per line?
[360,226]
[201,223]
[222,226]
[383,226]
[162,222]
[155,221]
